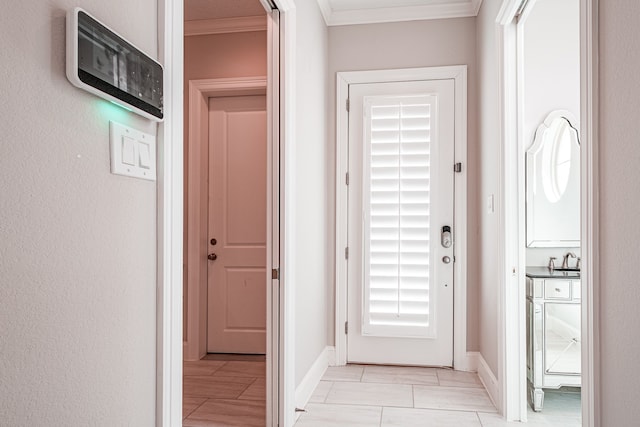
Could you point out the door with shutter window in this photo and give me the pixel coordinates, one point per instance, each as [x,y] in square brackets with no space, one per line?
[401,193]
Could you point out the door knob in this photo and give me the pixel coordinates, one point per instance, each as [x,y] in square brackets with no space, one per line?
[212,257]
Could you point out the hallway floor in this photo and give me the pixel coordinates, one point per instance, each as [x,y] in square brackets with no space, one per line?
[386,396]
[227,392]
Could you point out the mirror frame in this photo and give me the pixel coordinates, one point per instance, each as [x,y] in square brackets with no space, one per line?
[531,152]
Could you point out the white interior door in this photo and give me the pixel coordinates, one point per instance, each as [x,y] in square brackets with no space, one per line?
[237,225]
[400,258]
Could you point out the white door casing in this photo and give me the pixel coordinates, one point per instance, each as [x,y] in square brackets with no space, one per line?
[401,155]
[462,359]
[237,225]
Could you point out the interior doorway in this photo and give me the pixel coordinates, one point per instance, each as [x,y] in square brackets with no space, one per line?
[548,294]
[231,213]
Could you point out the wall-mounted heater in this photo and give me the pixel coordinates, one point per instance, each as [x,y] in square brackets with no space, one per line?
[105,64]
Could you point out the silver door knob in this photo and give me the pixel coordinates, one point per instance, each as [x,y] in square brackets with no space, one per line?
[212,257]
[446,259]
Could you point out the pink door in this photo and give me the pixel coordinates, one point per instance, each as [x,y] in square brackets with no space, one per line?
[237,225]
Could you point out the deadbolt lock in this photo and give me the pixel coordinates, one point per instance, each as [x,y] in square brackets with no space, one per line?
[214,242]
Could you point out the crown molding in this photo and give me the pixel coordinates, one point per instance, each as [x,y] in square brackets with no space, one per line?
[227,25]
[397,14]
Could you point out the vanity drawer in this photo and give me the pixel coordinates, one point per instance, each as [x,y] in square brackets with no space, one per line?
[557,289]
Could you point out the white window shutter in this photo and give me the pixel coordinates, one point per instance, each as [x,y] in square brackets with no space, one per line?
[396,189]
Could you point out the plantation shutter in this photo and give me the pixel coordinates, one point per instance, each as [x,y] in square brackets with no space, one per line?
[396,216]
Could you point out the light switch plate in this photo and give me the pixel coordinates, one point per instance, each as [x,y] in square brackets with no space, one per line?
[133,153]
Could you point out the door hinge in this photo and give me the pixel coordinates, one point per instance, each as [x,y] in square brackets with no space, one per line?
[346,328]
[275,273]
[348,104]
[346,253]
[347,178]
[457,167]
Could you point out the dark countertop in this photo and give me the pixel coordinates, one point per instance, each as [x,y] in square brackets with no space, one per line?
[545,273]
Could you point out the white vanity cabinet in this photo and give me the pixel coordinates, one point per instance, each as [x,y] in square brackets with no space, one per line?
[553,332]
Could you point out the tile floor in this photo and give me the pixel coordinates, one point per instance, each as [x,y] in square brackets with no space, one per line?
[385,396]
[223,392]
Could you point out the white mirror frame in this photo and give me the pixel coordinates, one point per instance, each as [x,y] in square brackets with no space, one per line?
[534,222]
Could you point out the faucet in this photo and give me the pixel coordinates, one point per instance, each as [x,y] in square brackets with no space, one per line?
[565,259]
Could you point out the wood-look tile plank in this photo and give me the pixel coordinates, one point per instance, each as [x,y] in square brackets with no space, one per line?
[452,398]
[242,369]
[221,412]
[325,415]
[399,375]
[190,404]
[215,387]
[343,373]
[201,367]
[451,378]
[410,417]
[320,393]
[352,393]
[256,391]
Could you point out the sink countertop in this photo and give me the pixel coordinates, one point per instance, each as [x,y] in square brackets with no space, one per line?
[545,273]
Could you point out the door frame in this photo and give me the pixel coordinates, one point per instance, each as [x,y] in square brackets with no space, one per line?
[280,370]
[511,315]
[461,359]
[195,342]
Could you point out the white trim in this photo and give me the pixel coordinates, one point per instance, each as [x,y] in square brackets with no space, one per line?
[590,219]
[489,380]
[471,362]
[199,93]
[225,25]
[286,294]
[325,8]
[511,396]
[312,378]
[170,232]
[344,79]
[334,17]
[273,206]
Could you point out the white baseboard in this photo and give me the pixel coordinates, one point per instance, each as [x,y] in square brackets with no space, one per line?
[488,380]
[469,363]
[312,378]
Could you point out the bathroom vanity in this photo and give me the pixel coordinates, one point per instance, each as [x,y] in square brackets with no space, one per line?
[553,331]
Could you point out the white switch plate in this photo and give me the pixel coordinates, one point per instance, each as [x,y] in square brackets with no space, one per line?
[133,153]
[490,204]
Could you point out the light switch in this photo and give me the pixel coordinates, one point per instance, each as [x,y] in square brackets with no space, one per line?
[133,153]
[145,155]
[128,151]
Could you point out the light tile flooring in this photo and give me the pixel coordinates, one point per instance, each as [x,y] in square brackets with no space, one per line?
[224,393]
[385,396]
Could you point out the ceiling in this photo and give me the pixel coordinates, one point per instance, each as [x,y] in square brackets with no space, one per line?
[219,9]
[347,12]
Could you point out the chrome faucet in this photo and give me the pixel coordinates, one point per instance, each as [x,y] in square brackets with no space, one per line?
[565,259]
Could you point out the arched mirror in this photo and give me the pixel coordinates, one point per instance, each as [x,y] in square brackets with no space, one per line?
[553,183]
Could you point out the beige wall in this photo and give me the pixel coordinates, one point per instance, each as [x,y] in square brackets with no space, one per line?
[619,154]
[407,45]
[311,222]
[78,245]
[488,181]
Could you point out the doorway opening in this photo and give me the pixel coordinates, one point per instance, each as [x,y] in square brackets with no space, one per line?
[547,304]
[231,227]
